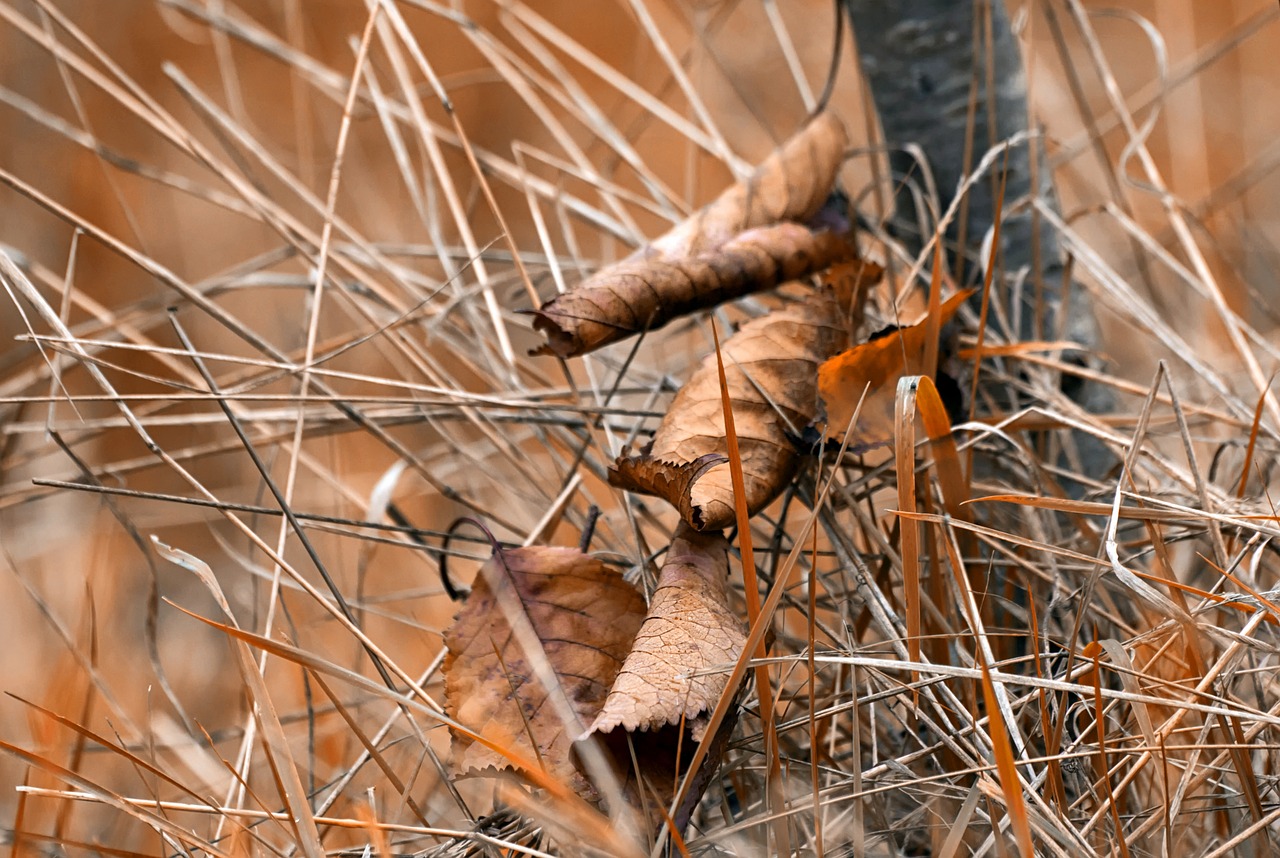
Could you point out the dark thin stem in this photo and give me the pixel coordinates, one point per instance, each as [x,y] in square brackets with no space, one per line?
[589,529]
[294,523]
[418,535]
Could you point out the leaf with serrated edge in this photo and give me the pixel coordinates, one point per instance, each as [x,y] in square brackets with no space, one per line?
[690,627]
[664,687]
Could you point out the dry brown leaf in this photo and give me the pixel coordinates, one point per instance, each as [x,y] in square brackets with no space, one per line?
[660,692]
[771,367]
[639,295]
[586,617]
[683,271]
[875,366]
[791,184]
[689,627]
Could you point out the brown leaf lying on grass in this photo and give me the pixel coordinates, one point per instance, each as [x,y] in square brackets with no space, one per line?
[717,254]
[689,627]
[771,366]
[585,616]
[642,295]
[875,366]
[659,692]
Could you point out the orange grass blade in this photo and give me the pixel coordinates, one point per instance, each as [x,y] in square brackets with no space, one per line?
[1006,766]
[933,322]
[764,688]
[676,838]
[1094,651]
[1253,438]
[812,628]
[1001,744]
[1052,743]
[1079,507]
[1016,350]
[988,275]
[755,636]
[904,449]
[920,393]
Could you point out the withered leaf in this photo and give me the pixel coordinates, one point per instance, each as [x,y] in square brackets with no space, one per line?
[875,366]
[586,617]
[639,295]
[790,185]
[689,627]
[659,690]
[771,368]
[678,272]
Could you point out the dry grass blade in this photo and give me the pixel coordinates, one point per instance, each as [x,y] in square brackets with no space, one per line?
[918,393]
[751,588]
[288,781]
[904,461]
[998,709]
[152,820]
[1103,767]
[1010,785]
[134,760]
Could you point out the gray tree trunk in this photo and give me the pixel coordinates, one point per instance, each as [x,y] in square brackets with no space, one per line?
[919,60]
[920,63]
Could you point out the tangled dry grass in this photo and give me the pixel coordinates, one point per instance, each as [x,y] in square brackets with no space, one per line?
[263,347]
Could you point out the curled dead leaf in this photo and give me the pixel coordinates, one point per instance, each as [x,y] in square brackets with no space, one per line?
[875,366]
[771,369]
[790,185]
[748,239]
[644,294]
[585,616]
[689,628]
[662,688]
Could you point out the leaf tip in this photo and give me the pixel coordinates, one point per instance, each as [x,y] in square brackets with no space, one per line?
[560,342]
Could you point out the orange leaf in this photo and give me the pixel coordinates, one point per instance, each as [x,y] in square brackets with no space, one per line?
[714,255]
[771,368]
[584,615]
[879,363]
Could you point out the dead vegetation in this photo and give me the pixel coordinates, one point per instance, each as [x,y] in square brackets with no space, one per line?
[269,271]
